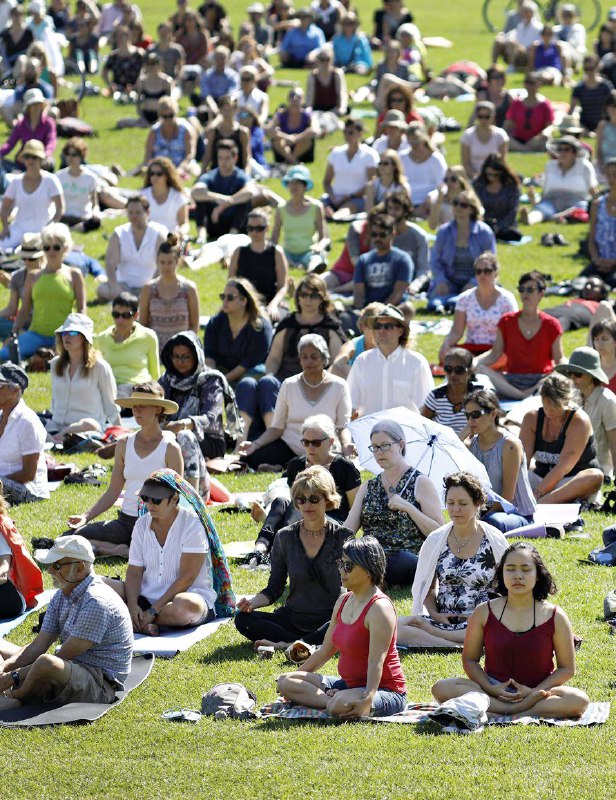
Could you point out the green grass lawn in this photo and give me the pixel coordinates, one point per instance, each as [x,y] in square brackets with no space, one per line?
[132,753]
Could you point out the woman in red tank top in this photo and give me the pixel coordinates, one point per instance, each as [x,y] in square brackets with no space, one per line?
[363,631]
[521,633]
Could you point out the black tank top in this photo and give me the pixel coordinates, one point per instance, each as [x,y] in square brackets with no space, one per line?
[259,269]
[547,454]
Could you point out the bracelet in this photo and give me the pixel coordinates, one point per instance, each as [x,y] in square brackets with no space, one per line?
[16,679]
[154,612]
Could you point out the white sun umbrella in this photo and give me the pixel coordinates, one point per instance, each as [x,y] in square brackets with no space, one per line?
[433,449]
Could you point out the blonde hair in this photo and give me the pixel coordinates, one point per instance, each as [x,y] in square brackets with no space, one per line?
[317,480]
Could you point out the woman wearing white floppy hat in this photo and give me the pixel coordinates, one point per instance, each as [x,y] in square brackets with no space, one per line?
[31,254]
[136,457]
[35,124]
[82,384]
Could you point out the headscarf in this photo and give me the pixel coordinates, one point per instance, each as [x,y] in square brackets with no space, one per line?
[183,383]
[221,576]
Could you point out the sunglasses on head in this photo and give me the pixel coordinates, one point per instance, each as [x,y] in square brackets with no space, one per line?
[256,228]
[312,442]
[527,289]
[154,500]
[460,204]
[344,565]
[48,247]
[122,314]
[226,296]
[484,271]
[455,370]
[314,500]
[476,414]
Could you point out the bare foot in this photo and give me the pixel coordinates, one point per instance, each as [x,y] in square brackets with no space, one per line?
[151,629]
[8,702]
[257,512]
[268,643]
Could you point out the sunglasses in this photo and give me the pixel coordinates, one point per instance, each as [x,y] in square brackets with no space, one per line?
[56,566]
[386,163]
[310,295]
[527,289]
[154,500]
[397,99]
[70,333]
[314,500]
[383,448]
[455,370]
[71,153]
[476,414]
[572,374]
[256,228]
[484,116]
[29,157]
[155,174]
[385,326]
[484,271]
[460,204]
[48,247]
[345,565]
[166,116]
[312,442]
[122,314]
[181,357]
[229,297]
[246,78]
[451,179]
[379,234]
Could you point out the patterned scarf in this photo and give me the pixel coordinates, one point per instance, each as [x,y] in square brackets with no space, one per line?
[225,598]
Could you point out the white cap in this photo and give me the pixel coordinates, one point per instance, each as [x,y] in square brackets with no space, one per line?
[73,546]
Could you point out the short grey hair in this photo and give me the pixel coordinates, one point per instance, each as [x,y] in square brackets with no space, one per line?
[316,340]
[58,231]
[391,429]
[322,423]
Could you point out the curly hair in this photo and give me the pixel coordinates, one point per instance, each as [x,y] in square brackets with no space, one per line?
[544,585]
[471,485]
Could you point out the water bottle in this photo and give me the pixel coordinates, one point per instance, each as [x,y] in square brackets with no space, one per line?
[13,348]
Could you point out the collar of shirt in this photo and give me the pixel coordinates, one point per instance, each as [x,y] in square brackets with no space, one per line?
[78,592]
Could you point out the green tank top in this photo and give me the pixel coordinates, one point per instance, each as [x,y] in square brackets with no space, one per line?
[52,301]
[298,230]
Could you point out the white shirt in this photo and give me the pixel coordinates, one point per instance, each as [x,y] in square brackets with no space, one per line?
[88,394]
[24,435]
[424,177]
[137,469]
[34,209]
[526,34]
[350,176]
[5,13]
[255,99]
[378,382]
[166,214]
[600,406]
[478,150]
[77,192]
[382,143]
[293,406]
[573,186]
[138,266]
[161,565]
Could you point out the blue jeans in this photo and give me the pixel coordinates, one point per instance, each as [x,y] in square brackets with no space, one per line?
[507,522]
[439,301]
[400,569]
[257,397]
[385,702]
[548,209]
[29,343]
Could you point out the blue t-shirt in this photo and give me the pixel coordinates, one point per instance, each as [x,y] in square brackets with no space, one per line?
[380,273]
[224,184]
[299,43]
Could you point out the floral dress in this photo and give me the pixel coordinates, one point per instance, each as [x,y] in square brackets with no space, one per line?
[395,530]
[463,583]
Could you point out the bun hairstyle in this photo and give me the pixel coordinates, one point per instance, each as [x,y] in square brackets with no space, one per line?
[172,244]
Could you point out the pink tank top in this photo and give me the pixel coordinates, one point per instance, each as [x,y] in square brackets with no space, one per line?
[353,644]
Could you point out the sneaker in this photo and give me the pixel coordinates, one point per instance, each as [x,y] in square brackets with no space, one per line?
[256,560]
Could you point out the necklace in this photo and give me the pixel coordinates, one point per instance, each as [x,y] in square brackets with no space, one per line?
[313,385]
[461,544]
[314,534]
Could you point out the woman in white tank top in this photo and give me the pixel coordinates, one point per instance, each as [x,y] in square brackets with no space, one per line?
[136,457]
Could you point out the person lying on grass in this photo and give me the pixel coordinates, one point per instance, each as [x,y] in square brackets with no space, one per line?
[363,631]
[521,633]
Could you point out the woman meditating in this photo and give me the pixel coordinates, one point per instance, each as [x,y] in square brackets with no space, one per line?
[363,631]
[520,634]
[445,404]
[400,507]
[170,579]
[456,567]
[306,552]
[559,438]
[504,459]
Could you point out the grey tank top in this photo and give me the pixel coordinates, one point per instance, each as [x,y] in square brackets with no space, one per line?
[492,460]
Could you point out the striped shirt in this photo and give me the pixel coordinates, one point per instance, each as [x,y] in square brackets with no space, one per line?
[94,612]
[438,402]
[161,565]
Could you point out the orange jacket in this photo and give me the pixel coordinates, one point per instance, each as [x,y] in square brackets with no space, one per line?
[23,572]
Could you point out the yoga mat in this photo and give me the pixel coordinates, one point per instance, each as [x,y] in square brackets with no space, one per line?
[171,642]
[557,513]
[238,549]
[50,714]
[524,240]
[6,626]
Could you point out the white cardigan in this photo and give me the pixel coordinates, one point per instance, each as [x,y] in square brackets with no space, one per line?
[432,548]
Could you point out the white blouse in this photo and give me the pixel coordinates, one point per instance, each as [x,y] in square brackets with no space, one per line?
[88,394]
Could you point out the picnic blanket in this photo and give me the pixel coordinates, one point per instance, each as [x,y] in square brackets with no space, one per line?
[7,625]
[172,641]
[418,714]
[53,714]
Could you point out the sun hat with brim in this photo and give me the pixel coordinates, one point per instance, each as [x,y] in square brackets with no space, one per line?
[73,546]
[80,323]
[390,312]
[299,173]
[570,124]
[145,399]
[33,96]
[570,141]
[256,8]
[156,489]
[584,360]
[394,119]
[31,246]
[33,148]
[13,375]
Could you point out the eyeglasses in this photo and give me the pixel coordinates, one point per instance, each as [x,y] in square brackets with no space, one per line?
[154,500]
[314,500]
[476,414]
[345,565]
[527,289]
[460,204]
[383,448]
[229,297]
[56,247]
[156,173]
[181,357]
[312,442]
[56,566]
[250,228]
[70,333]
[309,295]
[484,271]
[166,116]
[122,314]
[455,370]
[385,326]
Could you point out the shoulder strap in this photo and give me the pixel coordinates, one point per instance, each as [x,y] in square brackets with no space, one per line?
[568,422]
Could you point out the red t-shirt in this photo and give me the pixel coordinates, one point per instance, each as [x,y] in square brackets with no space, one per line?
[529,122]
[529,356]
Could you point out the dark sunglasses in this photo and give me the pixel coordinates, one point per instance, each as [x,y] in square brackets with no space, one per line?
[451,179]
[397,99]
[229,297]
[314,500]
[166,116]
[310,295]
[154,173]
[154,500]
[460,204]
[385,326]
[379,234]
[455,370]
[344,565]
[572,374]
[476,414]
[29,157]
[484,116]
[71,153]
[256,228]
[386,163]
[312,442]
[55,566]
[122,314]
[484,271]
[246,78]
[527,289]
[48,247]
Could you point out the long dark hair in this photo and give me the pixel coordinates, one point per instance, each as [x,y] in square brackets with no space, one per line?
[487,400]
[545,585]
[496,162]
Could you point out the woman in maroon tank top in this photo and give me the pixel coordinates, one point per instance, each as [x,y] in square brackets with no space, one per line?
[363,631]
[521,633]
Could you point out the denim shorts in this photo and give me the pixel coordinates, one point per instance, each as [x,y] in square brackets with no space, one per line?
[384,703]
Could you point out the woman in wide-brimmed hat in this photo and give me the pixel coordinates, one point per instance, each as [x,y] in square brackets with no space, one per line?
[136,457]
[569,180]
[31,254]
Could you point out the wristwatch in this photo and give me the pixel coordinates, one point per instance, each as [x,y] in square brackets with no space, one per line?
[16,679]
[153,611]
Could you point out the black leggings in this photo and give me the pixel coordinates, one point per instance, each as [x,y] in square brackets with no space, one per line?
[11,601]
[276,626]
[276,452]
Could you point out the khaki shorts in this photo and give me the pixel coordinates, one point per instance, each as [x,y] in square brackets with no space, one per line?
[86,685]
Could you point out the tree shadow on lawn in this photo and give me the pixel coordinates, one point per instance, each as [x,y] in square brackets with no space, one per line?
[229,652]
